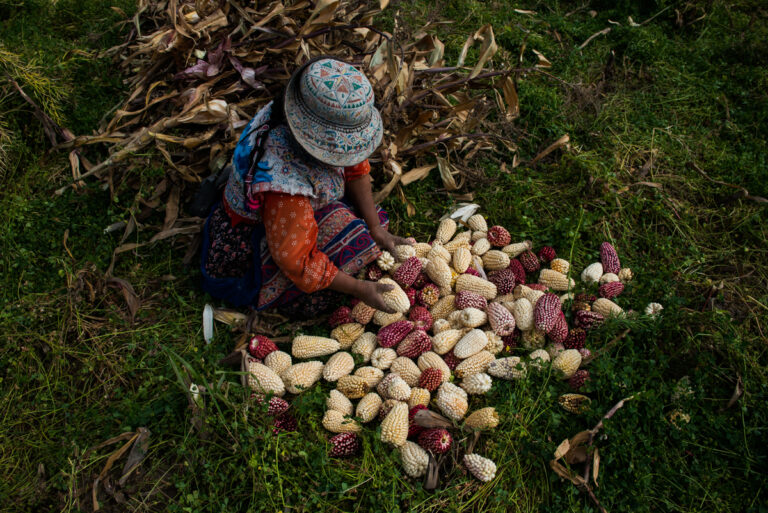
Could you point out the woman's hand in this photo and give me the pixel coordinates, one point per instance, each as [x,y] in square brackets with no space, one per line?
[386,240]
[371,292]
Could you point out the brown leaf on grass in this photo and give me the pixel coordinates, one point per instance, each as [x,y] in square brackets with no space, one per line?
[738,391]
[447,173]
[137,454]
[430,419]
[595,465]
[416,174]
[131,298]
[549,149]
[509,103]
[543,61]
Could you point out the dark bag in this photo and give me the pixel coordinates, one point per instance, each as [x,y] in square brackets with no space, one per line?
[209,193]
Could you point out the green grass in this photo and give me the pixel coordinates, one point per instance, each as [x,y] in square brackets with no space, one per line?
[75,372]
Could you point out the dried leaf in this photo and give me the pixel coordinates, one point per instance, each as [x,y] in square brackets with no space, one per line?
[737,393]
[549,149]
[137,454]
[131,298]
[543,61]
[446,173]
[416,174]
[595,465]
[430,419]
[562,449]
[488,49]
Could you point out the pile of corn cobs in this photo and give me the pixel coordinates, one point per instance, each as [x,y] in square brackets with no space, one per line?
[461,302]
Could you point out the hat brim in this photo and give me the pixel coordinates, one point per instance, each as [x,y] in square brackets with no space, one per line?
[334,145]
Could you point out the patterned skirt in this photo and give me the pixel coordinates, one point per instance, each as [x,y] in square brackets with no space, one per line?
[238,268]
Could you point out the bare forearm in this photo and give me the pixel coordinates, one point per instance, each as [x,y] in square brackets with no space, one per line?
[361,195]
[346,284]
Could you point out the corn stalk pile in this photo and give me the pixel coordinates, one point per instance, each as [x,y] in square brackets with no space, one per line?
[471,308]
[199,70]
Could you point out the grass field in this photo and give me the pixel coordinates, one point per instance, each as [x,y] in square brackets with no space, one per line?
[668,160]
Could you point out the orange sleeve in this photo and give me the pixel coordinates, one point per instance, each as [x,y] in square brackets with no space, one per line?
[356,171]
[291,232]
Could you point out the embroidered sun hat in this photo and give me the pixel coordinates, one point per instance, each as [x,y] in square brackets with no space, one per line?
[329,109]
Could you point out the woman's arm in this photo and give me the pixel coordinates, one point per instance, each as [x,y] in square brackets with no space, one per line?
[360,193]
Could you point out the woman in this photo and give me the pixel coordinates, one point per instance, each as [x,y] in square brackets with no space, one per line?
[287,233]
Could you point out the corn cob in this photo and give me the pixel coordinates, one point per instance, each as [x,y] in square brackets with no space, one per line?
[522,310]
[354,387]
[470,344]
[462,258]
[301,376]
[395,299]
[478,362]
[382,319]
[364,345]
[554,350]
[555,280]
[444,341]
[439,272]
[455,319]
[443,307]
[415,459]
[404,251]
[383,387]
[336,422]
[263,380]
[398,389]
[560,265]
[473,317]
[385,261]
[574,403]
[419,396]
[382,357]
[468,299]
[371,375]
[433,360]
[533,339]
[480,247]
[476,284]
[482,468]
[608,278]
[393,334]
[625,275]
[456,244]
[592,273]
[495,260]
[477,235]
[416,343]
[508,368]
[477,223]
[307,346]
[362,313]
[606,307]
[559,331]
[278,361]
[422,249]
[495,343]
[477,384]
[567,362]
[609,258]
[339,402]
[452,401]
[346,334]
[368,407]
[438,252]
[502,322]
[394,427]
[338,365]
[546,311]
[440,325]
[513,250]
[482,419]
[406,369]
[445,230]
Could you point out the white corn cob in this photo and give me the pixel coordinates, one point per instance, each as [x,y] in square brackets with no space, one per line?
[592,273]
[470,344]
[439,272]
[455,245]
[422,249]
[484,418]
[477,235]
[476,284]
[371,375]
[508,368]
[396,299]
[495,343]
[452,401]
[445,230]
[385,261]
[609,278]
[346,334]
[263,380]
[383,387]
[308,346]
[440,325]
[482,468]
[516,248]
[478,362]
[538,358]
[406,369]
[606,307]
[362,313]
[382,357]
[473,317]
[477,223]
[338,365]
[415,459]
[394,427]
[555,280]
[495,260]
[354,387]
[438,252]
[461,260]
[522,310]
[567,362]
[444,306]
[404,251]
[398,389]
[301,376]
[339,402]
[382,319]
[364,345]
[444,341]
[477,384]
[335,422]
[368,407]
[480,247]
[278,361]
[455,319]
